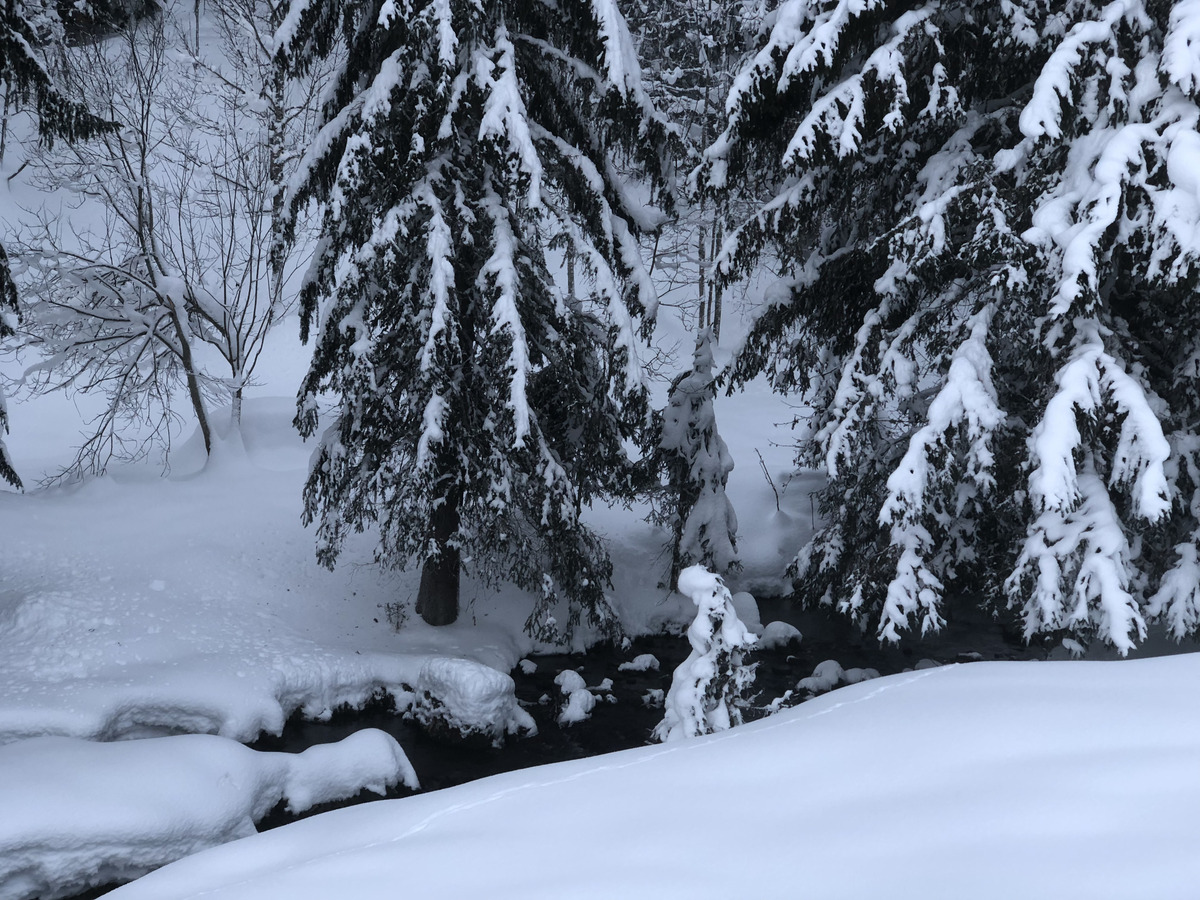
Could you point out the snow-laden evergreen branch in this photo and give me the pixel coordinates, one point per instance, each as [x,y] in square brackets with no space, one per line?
[963,164]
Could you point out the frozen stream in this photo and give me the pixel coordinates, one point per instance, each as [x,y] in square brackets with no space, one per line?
[626,720]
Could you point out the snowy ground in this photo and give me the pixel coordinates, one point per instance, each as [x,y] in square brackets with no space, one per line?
[990,780]
[140,605]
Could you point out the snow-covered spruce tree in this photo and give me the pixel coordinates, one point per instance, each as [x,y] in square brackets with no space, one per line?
[989,217]
[25,77]
[478,407]
[697,466]
[708,687]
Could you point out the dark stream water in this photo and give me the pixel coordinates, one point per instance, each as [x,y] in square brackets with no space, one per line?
[621,719]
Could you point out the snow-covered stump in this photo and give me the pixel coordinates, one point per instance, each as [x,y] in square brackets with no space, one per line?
[706,686]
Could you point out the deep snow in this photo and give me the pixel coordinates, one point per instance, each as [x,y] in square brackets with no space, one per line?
[989,780]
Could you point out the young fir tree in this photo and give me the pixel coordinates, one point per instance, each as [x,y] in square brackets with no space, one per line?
[988,214]
[697,463]
[25,78]
[708,689]
[478,407]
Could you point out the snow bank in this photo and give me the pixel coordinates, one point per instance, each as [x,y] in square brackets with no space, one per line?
[75,814]
[1034,780]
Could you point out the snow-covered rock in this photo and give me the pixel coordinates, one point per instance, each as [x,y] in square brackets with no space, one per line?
[580,701]
[75,814]
[570,680]
[469,698]
[829,674]
[779,634]
[645,662]
[578,707]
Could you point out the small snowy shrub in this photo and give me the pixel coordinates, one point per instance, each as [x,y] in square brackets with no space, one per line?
[706,689]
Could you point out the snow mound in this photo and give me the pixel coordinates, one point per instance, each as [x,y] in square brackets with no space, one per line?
[76,814]
[779,634]
[469,698]
[646,662]
[829,674]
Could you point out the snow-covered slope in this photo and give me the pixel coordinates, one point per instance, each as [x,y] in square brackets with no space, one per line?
[993,780]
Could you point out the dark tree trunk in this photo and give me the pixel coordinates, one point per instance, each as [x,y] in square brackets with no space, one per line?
[437,598]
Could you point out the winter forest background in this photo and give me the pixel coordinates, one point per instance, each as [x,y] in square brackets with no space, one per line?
[528,279]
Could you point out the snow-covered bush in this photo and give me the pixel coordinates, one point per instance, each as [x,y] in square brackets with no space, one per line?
[988,221]
[707,687]
[697,464]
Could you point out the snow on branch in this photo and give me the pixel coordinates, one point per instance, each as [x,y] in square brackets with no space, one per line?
[1075,570]
[1181,47]
[966,403]
[839,115]
[621,64]
[500,273]
[1052,90]
[1087,379]
[438,249]
[504,119]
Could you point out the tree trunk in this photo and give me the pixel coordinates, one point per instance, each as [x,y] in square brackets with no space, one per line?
[195,394]
[437,598]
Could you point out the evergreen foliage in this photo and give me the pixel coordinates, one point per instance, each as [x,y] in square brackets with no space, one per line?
[988,214]
[478,408]
[697,463]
